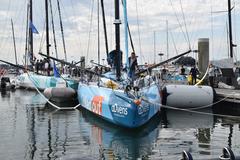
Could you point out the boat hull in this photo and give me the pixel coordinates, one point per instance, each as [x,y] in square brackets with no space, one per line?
[42,82]
[117,107]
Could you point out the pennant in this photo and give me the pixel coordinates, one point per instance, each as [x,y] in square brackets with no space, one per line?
[33,28]
[55,70]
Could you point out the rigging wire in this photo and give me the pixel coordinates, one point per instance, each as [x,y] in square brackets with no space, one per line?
[180,25]
[90,30]
[174,43]
[42,38]
[22,33]
[184,20]
[139,35]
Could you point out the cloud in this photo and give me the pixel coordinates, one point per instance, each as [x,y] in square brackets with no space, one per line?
[195,18]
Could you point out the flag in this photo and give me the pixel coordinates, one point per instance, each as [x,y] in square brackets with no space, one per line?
[33,28]
[55,70]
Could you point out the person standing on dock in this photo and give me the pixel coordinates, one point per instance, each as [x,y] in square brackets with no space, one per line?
[164,74]
[194,72]
[46,66]
[211,75]
[182,71]
[133,64]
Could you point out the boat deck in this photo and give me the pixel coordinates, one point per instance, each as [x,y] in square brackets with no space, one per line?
[232,95]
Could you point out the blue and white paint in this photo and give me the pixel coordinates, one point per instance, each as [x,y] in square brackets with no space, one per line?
[31,80]
[118,107]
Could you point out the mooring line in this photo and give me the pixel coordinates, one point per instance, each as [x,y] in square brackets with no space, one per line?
[52,104]
[192,110]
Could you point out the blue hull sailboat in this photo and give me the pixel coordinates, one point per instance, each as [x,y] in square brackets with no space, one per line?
[118,102]
[119,107]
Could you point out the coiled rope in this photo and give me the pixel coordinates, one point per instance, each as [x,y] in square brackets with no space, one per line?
[52,104]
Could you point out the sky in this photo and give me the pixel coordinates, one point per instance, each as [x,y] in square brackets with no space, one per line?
[188,20]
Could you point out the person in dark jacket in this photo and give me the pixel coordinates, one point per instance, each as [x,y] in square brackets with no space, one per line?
[182,71]
[37,66]
[194,72]
[133,65]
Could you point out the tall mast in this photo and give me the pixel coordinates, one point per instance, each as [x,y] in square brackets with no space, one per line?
[104,27]
[30,31]
[61,25]
[167,39]
[230,29]
[117,23]
[14,43]
[126,31]
[47,31]
[154,46]
[53,29]
[27,30]
[98,19]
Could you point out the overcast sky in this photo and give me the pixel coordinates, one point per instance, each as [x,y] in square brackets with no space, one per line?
[188,20]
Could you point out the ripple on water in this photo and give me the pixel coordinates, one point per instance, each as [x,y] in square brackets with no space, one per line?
[31,131]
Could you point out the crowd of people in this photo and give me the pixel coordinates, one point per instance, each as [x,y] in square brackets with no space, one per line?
[42,66]
[45,66]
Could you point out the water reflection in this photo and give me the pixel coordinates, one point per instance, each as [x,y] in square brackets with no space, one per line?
[185,131]
[30,130]
[119,143]
[5,94]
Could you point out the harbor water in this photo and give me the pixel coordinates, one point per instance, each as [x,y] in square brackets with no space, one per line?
[30,129]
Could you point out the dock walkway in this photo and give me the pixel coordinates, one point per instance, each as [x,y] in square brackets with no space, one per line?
[232,95]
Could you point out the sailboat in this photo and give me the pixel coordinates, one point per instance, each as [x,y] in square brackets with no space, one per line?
[32,80]
[116,102]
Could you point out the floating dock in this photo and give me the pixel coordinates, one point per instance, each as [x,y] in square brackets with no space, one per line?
[230,95]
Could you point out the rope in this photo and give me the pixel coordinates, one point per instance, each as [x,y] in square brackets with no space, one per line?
[204,113]
[192,110]
[202,77]
[52,104]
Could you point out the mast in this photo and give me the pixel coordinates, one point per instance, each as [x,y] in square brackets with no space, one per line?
[154,46]
[30,31]
[117,23]
[104,27]
[47,32]
[167,39]
[14,43]
[53,29]
[126,31]
[61,25]
[230,29]
[26,42]
[98,19]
